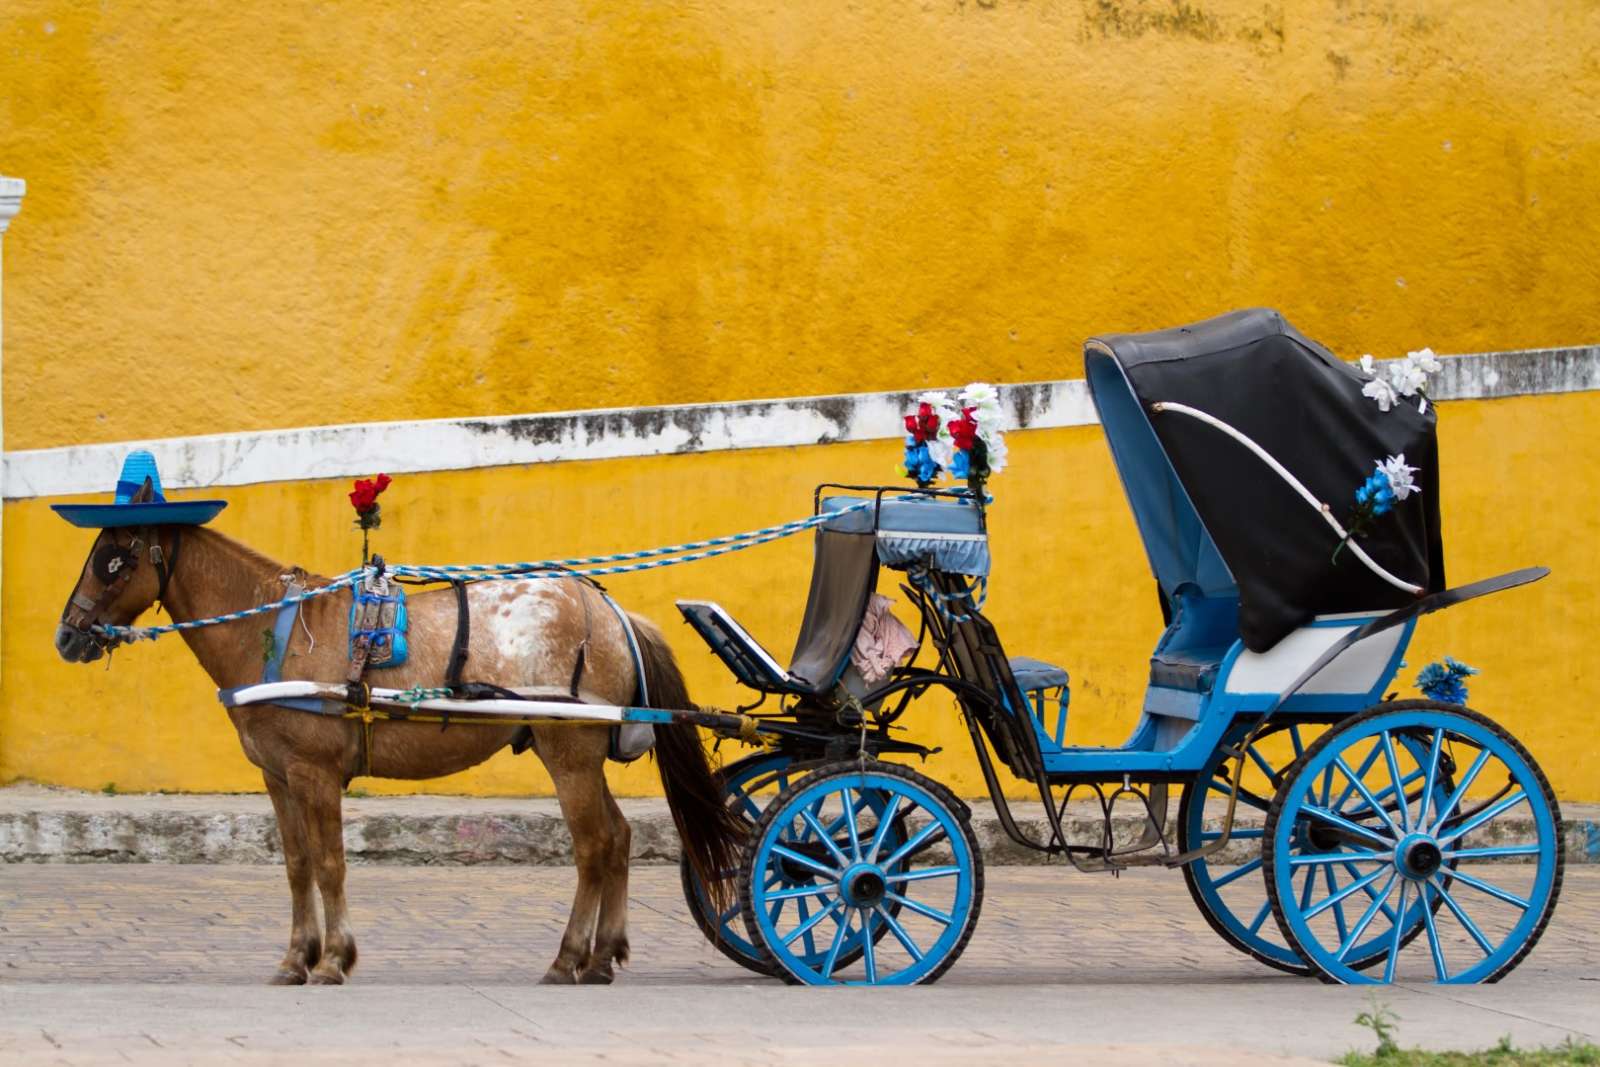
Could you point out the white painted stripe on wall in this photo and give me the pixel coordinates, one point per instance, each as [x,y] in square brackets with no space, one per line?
[506,440]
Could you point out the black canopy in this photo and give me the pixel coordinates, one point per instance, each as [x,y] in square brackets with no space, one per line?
[1216,520]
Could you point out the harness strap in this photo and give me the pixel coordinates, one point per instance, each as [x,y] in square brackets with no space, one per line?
[282,633]
[458,650]
[166,567]
[641,686]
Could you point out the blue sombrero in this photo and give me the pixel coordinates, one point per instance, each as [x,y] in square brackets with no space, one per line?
[139,470]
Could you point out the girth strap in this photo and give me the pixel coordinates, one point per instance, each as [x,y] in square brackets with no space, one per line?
[458,649]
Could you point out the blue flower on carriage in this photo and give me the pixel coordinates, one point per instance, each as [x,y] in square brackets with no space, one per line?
[1391,480]
[919,463]
[961,465]
[1445,682]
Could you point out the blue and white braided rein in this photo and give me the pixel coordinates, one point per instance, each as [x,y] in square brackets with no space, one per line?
[591,566]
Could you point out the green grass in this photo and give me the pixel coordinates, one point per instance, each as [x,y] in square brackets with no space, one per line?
[1383,1024]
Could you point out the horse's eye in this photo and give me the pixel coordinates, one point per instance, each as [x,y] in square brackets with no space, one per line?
[110,563]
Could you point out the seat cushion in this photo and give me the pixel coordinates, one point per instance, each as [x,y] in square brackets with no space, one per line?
[1194,669]
[1034,674]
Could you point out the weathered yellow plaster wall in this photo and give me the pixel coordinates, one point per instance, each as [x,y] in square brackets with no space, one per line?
[1071,586]
[259,214]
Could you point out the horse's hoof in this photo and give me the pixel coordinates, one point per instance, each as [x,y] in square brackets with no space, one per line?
[596,976]
[556,976]
[321,977]
[288,977]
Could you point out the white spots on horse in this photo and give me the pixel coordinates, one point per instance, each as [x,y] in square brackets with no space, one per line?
[518,617]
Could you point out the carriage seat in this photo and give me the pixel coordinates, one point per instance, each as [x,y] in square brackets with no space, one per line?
[1191,669]
[1038,680]
[1034,674]
[750,663]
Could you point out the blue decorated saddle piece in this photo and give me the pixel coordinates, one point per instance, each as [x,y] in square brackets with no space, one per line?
[378,619]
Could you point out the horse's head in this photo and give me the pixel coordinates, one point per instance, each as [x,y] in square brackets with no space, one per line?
[126,572]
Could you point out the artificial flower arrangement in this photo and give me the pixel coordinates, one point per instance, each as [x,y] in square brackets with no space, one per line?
[1445,682]
[1404,378]
[961,437]
[369,516]
[1391,481]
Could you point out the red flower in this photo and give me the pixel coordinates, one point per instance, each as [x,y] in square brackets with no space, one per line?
[964,431]
[924,425]
[364,497]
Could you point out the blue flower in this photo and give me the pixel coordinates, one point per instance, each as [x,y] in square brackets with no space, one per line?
[959,466]
[1444,681]
[919,465]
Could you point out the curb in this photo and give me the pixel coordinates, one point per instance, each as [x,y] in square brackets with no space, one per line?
[39,825]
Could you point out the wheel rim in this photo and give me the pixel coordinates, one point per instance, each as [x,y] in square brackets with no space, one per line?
[1496,895]
[1235,897]
[859,877]
[743,779]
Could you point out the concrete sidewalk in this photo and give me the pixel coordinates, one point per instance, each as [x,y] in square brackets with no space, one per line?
[39,824]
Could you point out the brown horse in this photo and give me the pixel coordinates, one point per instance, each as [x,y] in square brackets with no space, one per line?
[523,634]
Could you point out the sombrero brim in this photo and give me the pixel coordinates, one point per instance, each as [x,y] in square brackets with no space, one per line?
[167,513]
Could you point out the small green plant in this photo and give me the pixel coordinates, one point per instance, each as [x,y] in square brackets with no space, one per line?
[109,789]
[1381,1020]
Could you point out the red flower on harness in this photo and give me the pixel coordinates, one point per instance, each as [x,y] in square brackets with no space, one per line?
[964,431]
[364,498]
[924,425]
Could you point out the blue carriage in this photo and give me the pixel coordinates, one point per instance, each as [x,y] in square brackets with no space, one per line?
[1322,826]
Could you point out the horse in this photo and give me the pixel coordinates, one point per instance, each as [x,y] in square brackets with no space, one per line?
[543,633]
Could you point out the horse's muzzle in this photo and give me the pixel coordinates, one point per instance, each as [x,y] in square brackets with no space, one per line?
[78,646]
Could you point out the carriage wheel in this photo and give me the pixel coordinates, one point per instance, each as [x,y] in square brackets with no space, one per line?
[853,885]
[741,782]
[1233,897]
[1499,825]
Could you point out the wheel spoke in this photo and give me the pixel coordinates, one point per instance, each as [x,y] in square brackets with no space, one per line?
[728,916]
[805,915]
[839,934]
[1245,797]
[869,954]
[1433,776]
[1260,761]
[920,908]
[1294,739]
[1313,859]
[1248,834]
[1490,853]
[1399,936]
[1460,791]
[777,909]
[1366,765]
[885,821]
[1334,898]
[1388,912]
[1345,824]
[850,824]
[799,931]
[1338,907]
[1237,873]
[922,875]
[1305,890]
[1366,794]
[825,836]
[1327,785]
[1261,916]
[1482,817]
[805,861]
[1367,916]
[1493,890]
[751,806]
[813,890]
[1399,782]
[924,836]
[1440,971]
[1461,917]
[899,933]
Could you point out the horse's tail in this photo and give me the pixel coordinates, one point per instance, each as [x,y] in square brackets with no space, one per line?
[712,835]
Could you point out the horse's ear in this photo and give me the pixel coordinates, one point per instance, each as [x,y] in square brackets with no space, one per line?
[146,493]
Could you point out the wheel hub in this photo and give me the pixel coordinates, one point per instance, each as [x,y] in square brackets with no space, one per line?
[864,885]
[1419,857]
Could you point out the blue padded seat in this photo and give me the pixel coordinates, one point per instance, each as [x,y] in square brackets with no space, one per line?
[1032,674]
[1192,669]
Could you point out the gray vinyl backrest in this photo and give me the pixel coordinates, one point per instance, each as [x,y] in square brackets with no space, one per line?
[843,575]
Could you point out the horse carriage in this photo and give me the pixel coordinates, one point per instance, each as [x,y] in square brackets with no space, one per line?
[1385,838]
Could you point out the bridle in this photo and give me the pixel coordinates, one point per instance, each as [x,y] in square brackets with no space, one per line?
[114,564]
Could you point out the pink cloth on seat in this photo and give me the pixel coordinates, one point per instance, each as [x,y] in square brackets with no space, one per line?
[882,643]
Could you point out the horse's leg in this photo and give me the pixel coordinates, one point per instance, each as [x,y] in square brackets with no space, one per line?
[611,932]
[317,791]
[305,941]
[577,768]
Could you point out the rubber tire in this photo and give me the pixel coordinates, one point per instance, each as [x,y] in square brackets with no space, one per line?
[1281,798]
[849,768]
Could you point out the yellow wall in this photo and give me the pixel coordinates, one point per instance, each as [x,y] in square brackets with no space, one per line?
[1071,586]
[260,215]
[266,214]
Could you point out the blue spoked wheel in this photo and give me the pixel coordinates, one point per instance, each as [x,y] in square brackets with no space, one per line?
[1498,825]
[853,882]
[749,785]
[1229,887]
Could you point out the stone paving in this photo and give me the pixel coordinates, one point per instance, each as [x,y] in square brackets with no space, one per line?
[152,963]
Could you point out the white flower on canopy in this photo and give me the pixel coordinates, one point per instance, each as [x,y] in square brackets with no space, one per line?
[1408,377]
[984,400]
[1367,366]
[1380,390]
[942,448]
[1426,360]
[1399,475]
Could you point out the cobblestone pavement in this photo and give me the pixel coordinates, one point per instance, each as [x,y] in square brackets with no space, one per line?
[103,962]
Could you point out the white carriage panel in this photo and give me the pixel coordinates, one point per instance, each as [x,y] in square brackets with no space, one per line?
[1357,670]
